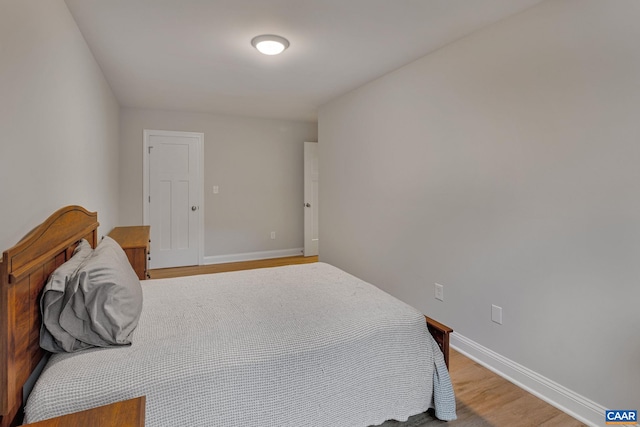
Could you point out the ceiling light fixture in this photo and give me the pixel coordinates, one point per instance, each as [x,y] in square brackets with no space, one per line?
[270,44]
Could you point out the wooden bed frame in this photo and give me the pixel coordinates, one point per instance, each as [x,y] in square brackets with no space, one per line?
[24,270]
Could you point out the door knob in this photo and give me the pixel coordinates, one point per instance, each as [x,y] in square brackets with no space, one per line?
[193,208]
[307,205]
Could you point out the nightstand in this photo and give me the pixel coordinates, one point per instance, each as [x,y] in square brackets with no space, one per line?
[128,413]
[135,242]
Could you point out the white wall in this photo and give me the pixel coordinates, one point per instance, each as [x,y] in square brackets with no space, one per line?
[58,121]
[505,166]
[256,163]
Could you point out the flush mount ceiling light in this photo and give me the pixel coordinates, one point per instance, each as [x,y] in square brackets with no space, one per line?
[270,44]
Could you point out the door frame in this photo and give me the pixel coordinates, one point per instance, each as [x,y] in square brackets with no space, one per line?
[199,136]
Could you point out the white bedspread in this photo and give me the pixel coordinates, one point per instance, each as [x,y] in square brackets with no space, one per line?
[306,345]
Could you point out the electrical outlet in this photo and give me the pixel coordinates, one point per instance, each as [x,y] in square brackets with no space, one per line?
[496,314]
[439,291]
[273,235]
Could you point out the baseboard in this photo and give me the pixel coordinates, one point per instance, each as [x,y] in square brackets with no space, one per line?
[252,256]
[551,392]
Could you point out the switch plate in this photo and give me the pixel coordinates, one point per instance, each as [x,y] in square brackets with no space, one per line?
[439,291]
[216,189]
[496,314]
[273,235]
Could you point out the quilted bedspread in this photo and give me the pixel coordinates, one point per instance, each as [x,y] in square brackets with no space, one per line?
[306,345]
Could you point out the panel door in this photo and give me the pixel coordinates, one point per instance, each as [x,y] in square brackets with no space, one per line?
[174,198]
[311,199]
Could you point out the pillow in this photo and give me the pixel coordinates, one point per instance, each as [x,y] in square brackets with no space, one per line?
[103,299]
[52,337]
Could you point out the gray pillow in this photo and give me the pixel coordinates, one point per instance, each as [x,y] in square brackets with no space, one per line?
[103,299]
[52,337]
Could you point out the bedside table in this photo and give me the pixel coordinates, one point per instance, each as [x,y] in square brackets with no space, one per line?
[128,413]
[135,242]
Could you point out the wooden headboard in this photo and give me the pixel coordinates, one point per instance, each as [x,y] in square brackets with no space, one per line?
[24,270]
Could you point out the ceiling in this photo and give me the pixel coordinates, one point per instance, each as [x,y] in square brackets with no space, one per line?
[195,55]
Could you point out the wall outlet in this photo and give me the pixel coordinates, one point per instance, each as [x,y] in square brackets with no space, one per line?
[496,314]
[439,291]
[273,235]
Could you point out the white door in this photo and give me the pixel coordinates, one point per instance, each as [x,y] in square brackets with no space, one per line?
[173,197]
[310,198]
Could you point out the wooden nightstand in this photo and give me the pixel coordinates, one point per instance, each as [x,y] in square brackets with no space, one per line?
[135,242]
[128,413]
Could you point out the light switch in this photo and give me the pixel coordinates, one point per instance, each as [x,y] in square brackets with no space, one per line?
[216,190]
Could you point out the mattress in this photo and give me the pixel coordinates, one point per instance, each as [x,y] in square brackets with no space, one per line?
[304,345]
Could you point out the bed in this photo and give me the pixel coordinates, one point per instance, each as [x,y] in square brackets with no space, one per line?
[287,346]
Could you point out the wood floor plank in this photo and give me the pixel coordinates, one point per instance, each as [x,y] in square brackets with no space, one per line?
[486,399]
[162,273]
[563,420]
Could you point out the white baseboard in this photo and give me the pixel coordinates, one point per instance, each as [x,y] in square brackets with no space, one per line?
[551,392]
[252,256]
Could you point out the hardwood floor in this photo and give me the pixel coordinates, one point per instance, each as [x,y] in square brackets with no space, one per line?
[486,399]
[483,398]
[162,273]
